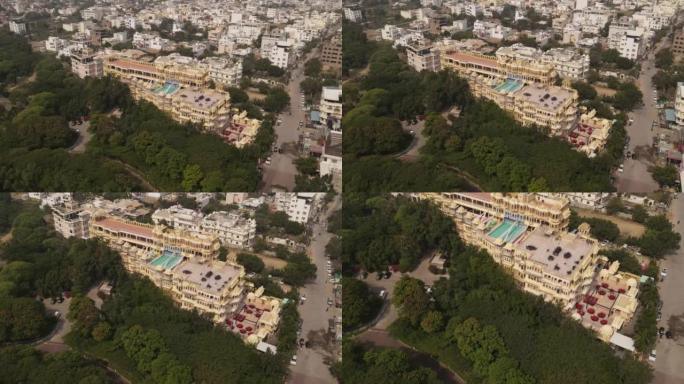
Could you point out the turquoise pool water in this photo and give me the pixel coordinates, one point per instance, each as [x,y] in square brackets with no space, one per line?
[167,260]
[509,85]
[508,230]
[167,88]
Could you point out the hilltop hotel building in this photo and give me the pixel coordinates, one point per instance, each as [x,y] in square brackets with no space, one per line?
[522,84]
[184,264]
[527,235]
[173,87]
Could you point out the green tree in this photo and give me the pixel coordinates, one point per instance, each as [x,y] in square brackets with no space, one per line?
[359,304]
[192,175]
[432,322]
[411,299]
[102,331]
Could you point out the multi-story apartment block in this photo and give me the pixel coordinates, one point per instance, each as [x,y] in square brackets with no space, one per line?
[422,57]
[331,104]
[232,229]
[331,159]
[678,45]
[627,38]
[71,220]
[86,63]
[527,235]
[353,14]
[179,218]
[596,201]
[569,63]
[297,206]
[280,54]
[679,105]
[331,54]
[18,27]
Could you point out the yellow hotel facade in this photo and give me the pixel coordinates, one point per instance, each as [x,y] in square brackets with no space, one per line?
[527,235]
[185,265]
[520,86]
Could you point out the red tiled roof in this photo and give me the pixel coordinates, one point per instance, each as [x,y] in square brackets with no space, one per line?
[121,226]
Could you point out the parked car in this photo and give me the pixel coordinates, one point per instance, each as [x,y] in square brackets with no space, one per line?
[652,356]
[382,294]
[293,361]
[663,272]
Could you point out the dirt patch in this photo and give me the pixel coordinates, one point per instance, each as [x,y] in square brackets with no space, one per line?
[627,227]
[604,91]
[272,262]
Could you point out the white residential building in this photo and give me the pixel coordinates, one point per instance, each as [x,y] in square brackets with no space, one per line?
[297,206]
[232,229]
[179,218]
[331,103]
[353,14]
[627,39]
[280,55]
[679,104]
[422,57]
[569,63]
[71,220]
[18,27]
[86,64]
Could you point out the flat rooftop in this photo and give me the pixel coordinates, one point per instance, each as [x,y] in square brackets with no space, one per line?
[549,98]
[559,253]
[474,59]
[209,277]
[200,98]
[125,227]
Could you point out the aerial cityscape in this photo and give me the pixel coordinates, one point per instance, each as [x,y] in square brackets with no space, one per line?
[149,89]
[173,208]
[145,285]
[566,96]
[465,287]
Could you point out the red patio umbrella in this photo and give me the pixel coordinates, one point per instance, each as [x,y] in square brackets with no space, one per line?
[601,292]
[591,310]
[594,318]
[604,321]
[601,315]
[604,285]
[621,290]
[239,325]
[612,297]
[242,331]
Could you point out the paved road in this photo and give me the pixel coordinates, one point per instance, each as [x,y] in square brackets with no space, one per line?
[669,367]
[55,341]
[636,177]
[312,363]
[84,137]
[413,151]
[282,171]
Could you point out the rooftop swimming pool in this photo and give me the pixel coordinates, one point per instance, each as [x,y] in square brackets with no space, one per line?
[167,89]
[167,260]
[508,230]
[510,85]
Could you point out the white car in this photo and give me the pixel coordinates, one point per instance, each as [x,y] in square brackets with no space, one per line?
[622,168]
[293,361]
[652,356]
[663,272]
